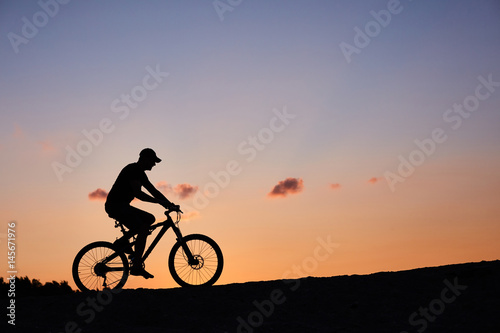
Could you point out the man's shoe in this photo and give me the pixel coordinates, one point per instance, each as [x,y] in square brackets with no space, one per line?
[139,271]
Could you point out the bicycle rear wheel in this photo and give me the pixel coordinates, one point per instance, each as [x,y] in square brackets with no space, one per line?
[206,269]
[99,266]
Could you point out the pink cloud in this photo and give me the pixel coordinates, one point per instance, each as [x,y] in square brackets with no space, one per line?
[18,132]
[287,186]
[184,191]
[47,146]
[335,186]
[190,215]
[374,180]
[164,187]
[98,195]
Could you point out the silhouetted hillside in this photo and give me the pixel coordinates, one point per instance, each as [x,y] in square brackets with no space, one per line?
[454,298]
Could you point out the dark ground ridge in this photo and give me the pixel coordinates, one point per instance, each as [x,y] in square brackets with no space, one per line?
[451,298]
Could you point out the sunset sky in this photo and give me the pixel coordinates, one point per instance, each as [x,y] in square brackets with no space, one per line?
[308,138]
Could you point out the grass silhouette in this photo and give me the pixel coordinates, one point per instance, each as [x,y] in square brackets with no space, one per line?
[24,286]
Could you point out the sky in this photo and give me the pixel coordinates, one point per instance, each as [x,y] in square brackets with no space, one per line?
[308,138]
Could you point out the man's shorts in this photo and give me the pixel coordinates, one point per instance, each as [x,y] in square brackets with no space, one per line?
[133,218]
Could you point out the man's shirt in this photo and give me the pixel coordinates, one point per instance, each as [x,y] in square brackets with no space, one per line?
[122,191]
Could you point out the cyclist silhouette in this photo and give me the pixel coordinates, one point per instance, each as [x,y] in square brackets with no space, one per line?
[128,185]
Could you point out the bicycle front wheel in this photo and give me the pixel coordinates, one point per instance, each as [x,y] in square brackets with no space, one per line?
[99,266]
[206,267]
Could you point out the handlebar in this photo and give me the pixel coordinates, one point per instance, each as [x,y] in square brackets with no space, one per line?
[176,208]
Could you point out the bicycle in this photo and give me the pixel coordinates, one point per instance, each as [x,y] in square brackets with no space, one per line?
[194,260]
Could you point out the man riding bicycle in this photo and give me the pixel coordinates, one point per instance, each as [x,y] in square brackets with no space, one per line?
[128,185]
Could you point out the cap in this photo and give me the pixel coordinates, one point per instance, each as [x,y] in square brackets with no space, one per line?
[150,154]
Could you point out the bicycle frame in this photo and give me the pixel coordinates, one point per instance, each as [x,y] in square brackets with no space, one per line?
[165,225]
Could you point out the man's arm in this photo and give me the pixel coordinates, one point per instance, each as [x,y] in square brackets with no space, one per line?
[155,197]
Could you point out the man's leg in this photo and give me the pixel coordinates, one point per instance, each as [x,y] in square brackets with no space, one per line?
[140,246]
[139,221]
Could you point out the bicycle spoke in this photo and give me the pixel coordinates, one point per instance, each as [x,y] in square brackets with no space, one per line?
[209,261]
[90,272]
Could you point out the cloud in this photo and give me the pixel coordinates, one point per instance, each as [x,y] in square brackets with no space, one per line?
[99,195]
[184,191]
[335,186]
[18,132]
[189,216]
[47,146]
[374,180]
[287,186]
[163,186]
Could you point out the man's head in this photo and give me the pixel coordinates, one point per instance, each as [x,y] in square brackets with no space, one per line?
[148,158]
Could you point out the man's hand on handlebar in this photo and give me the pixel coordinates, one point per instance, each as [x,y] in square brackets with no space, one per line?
[175,208]
[171,206]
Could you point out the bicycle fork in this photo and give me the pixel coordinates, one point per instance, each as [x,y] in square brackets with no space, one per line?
[187,251]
